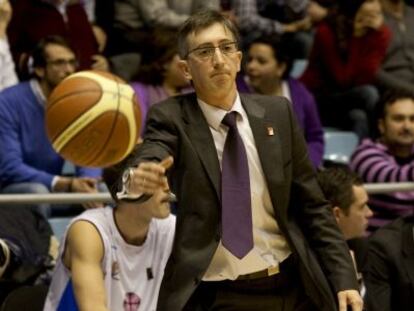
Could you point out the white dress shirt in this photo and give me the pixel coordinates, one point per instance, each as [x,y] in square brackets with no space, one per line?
[270,246]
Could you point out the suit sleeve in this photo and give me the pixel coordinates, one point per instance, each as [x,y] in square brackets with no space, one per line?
[315,217]
[160,138]
[377,278]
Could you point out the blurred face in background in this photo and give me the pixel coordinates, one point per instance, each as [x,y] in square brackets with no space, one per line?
[173,75]
[354,221]
[397,126]
[369,8]
[60,63]
[263,69]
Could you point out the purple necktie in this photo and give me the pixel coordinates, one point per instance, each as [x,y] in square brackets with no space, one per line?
[236,213]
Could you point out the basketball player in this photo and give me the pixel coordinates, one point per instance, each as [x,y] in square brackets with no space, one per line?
[114,259]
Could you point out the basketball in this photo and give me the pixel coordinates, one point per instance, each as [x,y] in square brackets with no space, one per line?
[93,119]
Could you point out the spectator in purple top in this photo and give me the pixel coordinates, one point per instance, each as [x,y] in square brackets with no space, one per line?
[390,158]
[159,76]
[268,65]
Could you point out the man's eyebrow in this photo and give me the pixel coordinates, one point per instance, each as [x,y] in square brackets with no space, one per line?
[210,44]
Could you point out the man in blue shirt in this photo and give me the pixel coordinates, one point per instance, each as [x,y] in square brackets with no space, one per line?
[28,163]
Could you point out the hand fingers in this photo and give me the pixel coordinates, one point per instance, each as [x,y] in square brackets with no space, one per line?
[150,176]
[167,162]
[86,184]
[342,302]
[357,304]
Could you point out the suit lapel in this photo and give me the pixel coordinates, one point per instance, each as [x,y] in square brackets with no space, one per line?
[408,250]
[265,133]
[268,145]
[199,133]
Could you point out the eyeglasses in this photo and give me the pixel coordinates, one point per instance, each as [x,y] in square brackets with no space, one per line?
[63,62]
[207,52]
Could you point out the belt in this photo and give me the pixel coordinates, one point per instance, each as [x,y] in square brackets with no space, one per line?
[260,274]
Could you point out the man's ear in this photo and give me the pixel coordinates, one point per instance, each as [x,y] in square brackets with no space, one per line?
[39,71]
[337,213]
[239,56]
[183,65]
[281,69]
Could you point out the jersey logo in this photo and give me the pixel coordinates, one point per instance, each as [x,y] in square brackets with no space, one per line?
[131,302]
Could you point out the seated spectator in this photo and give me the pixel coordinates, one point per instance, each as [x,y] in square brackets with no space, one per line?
[257,18]
[397,70]
[347,52]
[28,249]
[388,273]
[135,20]
[390,158]
[114,259]
[8,76]
[268,65]
[159,76]
[28,163]
[35,19]
[344,190]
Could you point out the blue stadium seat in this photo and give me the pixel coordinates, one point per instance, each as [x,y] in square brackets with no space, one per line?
[339,145]
[59,225]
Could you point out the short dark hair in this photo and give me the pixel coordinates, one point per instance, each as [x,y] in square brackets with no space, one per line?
[336,183]
[199,21]
[389,98]
[39,52]
[282,50]
[112,174]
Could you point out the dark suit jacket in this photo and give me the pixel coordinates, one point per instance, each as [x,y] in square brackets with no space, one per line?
[178,127]
[389,269]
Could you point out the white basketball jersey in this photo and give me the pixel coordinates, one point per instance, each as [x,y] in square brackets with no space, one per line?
[132,273]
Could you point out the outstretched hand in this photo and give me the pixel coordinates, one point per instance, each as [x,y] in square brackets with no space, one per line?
[149,177]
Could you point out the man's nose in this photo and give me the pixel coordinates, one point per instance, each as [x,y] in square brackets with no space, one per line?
[368,212]
[218,56]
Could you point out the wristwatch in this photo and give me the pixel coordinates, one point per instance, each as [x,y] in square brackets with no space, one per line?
[124,194]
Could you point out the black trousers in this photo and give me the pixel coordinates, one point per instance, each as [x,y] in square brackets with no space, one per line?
[281,292]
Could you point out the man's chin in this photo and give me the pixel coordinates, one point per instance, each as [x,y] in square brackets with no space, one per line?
[406,142]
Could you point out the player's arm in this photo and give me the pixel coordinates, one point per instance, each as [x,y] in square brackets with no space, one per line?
[83,256]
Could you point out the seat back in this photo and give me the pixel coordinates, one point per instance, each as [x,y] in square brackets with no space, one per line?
[339,146]
[59,225]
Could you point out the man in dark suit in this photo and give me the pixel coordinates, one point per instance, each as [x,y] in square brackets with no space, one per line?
[389,269]
[293,255]
[344,189]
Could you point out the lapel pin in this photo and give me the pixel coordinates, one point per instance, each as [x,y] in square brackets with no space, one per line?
[270,131]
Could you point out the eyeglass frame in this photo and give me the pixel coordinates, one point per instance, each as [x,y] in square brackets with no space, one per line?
[213,48]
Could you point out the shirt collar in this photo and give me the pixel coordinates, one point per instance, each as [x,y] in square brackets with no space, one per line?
[215,115]
[37,90]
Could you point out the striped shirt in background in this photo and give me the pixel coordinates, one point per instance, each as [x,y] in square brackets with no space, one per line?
[373,162]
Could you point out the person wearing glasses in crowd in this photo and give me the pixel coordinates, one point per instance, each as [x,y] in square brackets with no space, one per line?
[28,163]
[253,229]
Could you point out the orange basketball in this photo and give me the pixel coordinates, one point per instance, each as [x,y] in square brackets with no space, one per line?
[93,119]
